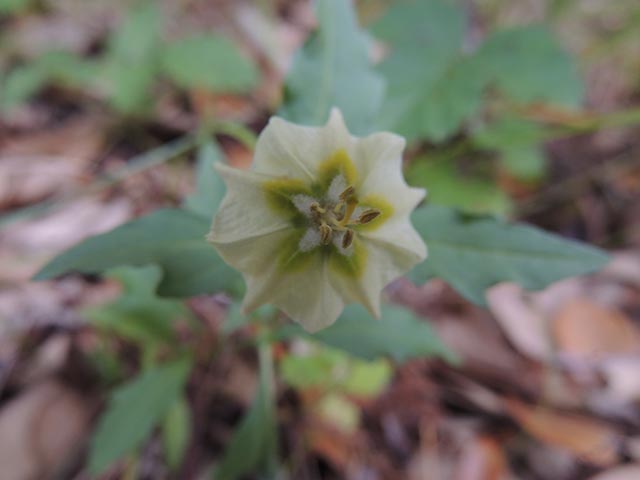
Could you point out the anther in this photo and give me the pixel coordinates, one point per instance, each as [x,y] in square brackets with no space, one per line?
[347,238]
[325,234]
[348,193]
[369,215]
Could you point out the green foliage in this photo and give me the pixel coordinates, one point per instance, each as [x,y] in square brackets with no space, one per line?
[137,37]
[333,370]
[55,68]
[333,69]
[135,57]
[434,86]
[474,254]
[133,411]
[139,314]
[128,88]
[528,65]
[399,335]
[20,85]
[210,188]
[447,186]
[130,64]
[176,431]
[14,6]
[208,61]
[173,239]
[518,142]
[254,443]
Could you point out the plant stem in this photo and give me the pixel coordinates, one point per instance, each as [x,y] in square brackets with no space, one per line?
[267,381]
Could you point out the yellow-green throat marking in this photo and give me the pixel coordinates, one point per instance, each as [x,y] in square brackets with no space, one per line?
[326,216]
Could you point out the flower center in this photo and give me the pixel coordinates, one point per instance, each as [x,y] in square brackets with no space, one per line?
[333,217]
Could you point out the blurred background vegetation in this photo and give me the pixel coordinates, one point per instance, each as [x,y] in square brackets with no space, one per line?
[109,110]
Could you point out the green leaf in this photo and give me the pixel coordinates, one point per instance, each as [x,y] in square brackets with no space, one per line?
[447,186]
[334,370]
[399,334]
[67,69]
[139,34]
[527,64]
[475,254]
[527,163]
[54,67]
[509,133]
[138,314]
[340,412]
[14,6]
[128,88]
[519,143]
[254,442]
[173,239]
[432,86]
[133,411]
[333,69]
[209,186]
[208,61]
[21,84]
[131,63]
[176,430]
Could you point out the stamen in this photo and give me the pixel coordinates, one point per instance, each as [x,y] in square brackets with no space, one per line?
[347,238]
[348,194]
[325,233]
[316,208]
[369,215]
[351,206]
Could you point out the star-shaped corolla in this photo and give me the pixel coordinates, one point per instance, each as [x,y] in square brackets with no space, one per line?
[321,220]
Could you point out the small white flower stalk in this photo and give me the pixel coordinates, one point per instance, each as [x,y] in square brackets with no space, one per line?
[321,220]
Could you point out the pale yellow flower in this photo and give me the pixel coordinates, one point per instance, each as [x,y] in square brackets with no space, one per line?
[321,220]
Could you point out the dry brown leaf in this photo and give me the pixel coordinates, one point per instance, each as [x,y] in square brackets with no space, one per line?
[590,440]
[41,429]
[238,155]
[482,459]
[526,327]
[332,444]
[39,164]
[429,463]
[625,266]
[628,472]
[585,329]
[623,380]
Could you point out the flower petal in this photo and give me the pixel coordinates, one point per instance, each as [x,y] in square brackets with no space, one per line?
[398,233]
[381,173]
[376,150]
[385,263]
[244,211]
[253,254]
[308,297]
[290,150]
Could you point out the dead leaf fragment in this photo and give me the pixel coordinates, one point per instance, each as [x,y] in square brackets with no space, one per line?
[590,440]
[526,327]
[586,329]
[628,472]
[40,430]
[482,459]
